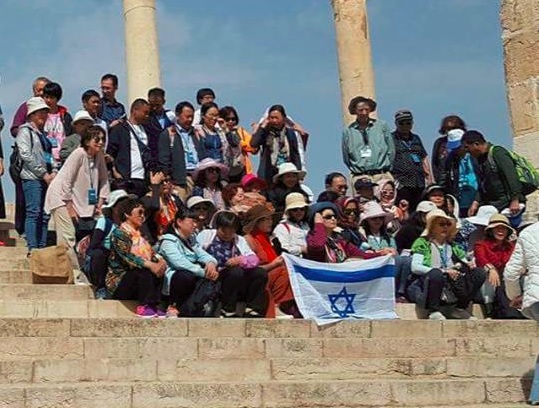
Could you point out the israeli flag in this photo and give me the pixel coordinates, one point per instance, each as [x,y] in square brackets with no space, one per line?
[328,293]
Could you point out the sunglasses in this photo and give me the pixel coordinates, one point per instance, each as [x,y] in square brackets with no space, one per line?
[213,170]
[387,192]
[297,209]
[350,212]
[329,217]
[231,119]
[98,139]
[444,224]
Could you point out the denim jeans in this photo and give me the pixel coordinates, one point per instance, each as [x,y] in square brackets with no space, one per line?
[37,222]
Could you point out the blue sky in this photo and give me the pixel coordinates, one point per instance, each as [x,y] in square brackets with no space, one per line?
[435,57]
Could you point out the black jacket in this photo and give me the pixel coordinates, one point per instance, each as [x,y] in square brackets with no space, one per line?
[265,170]
[119,147]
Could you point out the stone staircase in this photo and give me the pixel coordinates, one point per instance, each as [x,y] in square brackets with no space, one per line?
[59,347]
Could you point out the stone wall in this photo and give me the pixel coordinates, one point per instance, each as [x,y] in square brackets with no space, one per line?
[520,25]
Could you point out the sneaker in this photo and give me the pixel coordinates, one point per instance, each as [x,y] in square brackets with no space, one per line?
[279,314]
[81,279]
[160,313]
[251,313]
[101,294]
[145,311]
[172,312]
[436,316]
[460,314]
[226,314]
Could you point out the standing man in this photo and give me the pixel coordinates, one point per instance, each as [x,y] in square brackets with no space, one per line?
[411,168]
[20,116]
[91,103]
[111,111]
[367,144]
[499,184]
[160,119]
[128,147]
[204,95]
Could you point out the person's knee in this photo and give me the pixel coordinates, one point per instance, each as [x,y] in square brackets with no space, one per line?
[436,275]
[259,274]
[479,275]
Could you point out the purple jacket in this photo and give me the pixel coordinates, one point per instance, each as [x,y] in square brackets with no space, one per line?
[18,119]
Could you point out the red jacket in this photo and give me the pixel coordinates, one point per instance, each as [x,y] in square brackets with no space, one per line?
[316,246]
[488,251]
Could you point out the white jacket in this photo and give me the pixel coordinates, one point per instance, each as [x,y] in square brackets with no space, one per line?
[292,236]
[524,261]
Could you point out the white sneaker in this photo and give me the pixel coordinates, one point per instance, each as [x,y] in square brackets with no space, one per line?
[437,316]
[460,314]
[82,280]
[279,314]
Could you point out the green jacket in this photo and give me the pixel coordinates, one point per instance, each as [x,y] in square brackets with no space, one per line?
[375,155]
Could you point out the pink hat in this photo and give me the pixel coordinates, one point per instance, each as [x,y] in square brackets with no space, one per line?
[252,178]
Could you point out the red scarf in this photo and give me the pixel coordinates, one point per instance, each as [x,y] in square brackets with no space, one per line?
[265,243]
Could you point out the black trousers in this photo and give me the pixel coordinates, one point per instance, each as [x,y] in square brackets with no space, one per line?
[141,285]
[244,284]
[99,259]
[411,194]
[465,287]
[182,284]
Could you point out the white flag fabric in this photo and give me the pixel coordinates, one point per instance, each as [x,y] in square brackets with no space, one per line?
[359,289]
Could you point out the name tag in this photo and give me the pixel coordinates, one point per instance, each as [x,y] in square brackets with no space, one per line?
[54,142]
[366,152]
[92,196]
[415,158]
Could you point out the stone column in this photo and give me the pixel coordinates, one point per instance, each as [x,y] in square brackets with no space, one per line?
[141,48]
[520,24]
[354,51]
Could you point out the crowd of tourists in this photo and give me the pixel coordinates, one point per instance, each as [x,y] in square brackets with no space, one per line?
[155,204]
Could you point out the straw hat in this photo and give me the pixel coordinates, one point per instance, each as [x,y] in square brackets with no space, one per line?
[483,215]
[209,163]
[295,200]
[34,104]
[425,206]
[432,216]
[286,168]
[254,214]
[498,219]
[374,210]
[196,200]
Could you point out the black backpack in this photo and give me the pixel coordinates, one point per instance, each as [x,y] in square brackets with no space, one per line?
[205,301]
[15,161]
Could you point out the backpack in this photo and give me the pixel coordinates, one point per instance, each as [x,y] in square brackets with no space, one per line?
[205,301]
[15,161]
[526,171]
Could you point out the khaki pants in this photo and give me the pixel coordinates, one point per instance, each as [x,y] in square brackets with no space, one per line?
[65,232]
[375,179]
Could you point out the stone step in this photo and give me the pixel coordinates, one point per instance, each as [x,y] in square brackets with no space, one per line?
[40,370]
[270,394]
[14,348]
[66,308]
[394,330]
[13,276]
[43,292]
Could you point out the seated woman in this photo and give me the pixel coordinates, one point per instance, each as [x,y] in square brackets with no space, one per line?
[413,227]
[523,265]
[492,254]
[387,195]
[374,227]
[233,196]
[293,228]
[438,263]
[161,206]
[97,253]
[209,137]
[285,182]
[237,264]
[348,222]
[208,178]
[326,245]
[187,261]
[204,209]
[257,227]
[135,271]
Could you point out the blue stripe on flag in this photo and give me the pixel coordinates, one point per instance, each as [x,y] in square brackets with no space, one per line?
[327,275]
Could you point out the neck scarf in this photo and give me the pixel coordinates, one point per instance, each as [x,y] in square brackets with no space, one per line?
[140,246]
[279,146]
[265,243]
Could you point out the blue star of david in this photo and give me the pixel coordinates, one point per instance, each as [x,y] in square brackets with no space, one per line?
[348,298]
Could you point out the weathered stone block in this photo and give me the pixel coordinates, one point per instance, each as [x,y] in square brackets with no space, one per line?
[447,392]
[342,329]
[299,348]
[520,51]
[507,390]
[21,348]
[213,328]
[34,327]
[396,348]
[406,329]
[15,372]
[128,327]
[523,107]
[79,396]
[493,347]
[185,395]
[278,328]
[153,348]
[231,348]
[11,397]
[489,328]
[491,367]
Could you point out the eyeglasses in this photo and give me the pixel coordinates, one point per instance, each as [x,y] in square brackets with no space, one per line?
[98,139]
[443,224]
[387,192]
[212,170]
[350,212]
[329,217]
[231,119]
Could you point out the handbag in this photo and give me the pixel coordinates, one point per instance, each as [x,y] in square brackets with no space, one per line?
[51,265]
[205,301]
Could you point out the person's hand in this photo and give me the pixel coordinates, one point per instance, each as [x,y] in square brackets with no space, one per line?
[116,174]
[388,251]
[494,277]
[516,303]
[234,261]
[115,122]
[453,274]
[98,208]
[264,123]
[71,211]
[108,158]
[47,178]
[157,268]
[211,272]
[222,124]
[404,205]
[298,128]
[514,206]
[318,219]
[2,169]
[156,178]
[473,209]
